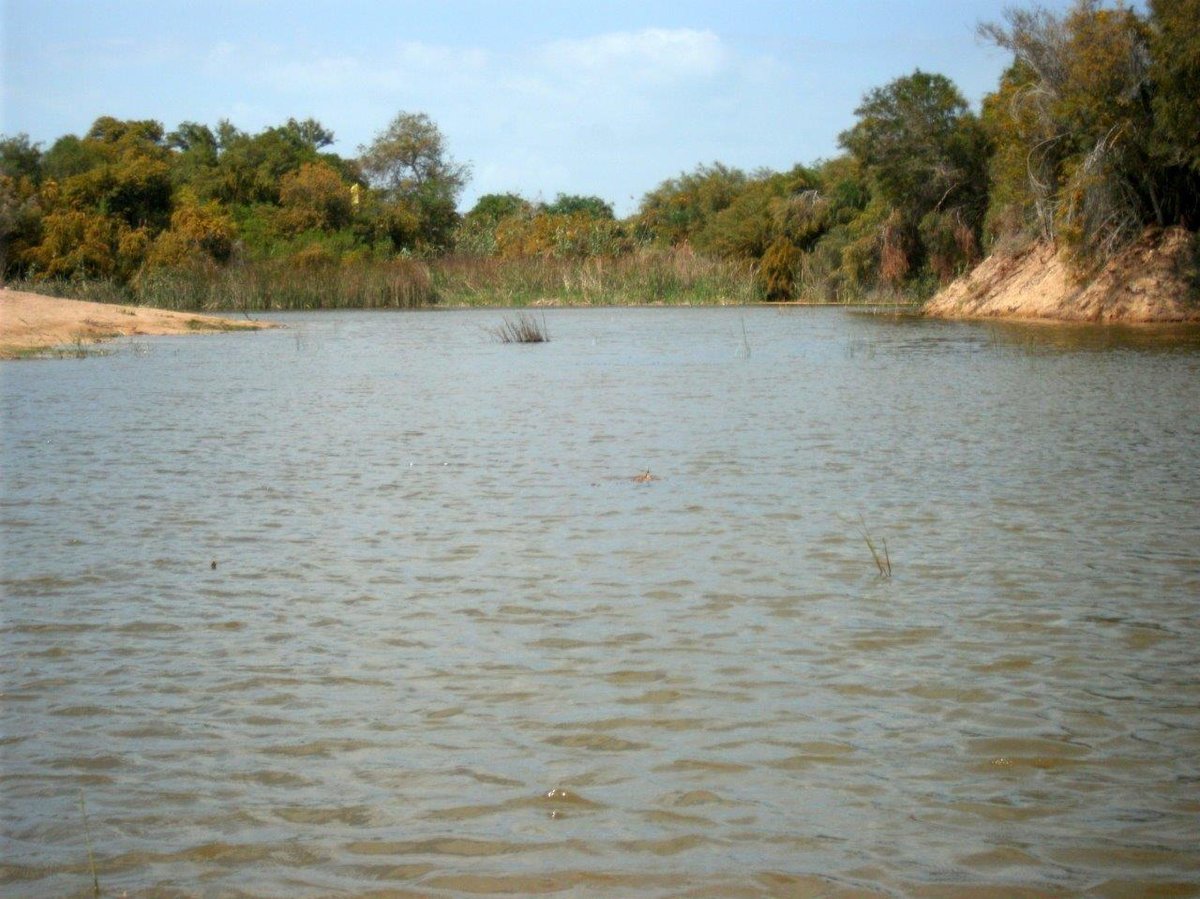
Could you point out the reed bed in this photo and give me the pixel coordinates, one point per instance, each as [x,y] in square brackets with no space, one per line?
[261,286]
[645,277]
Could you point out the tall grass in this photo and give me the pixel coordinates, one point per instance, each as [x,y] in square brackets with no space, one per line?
[258,286]
[646,277]
[94,290]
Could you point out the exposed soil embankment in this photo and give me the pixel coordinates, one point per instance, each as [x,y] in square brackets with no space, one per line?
[31,323]
[1152,280]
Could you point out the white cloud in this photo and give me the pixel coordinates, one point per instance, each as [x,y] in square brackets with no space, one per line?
[656,54]
[433,58]
[406,64]
[329,74]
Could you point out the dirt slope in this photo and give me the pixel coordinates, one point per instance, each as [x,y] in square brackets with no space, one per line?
[1153,280]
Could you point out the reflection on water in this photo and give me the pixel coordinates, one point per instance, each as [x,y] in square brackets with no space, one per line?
[451,645]
[1074,337]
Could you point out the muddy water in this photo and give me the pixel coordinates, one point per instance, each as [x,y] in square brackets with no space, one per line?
[450,645]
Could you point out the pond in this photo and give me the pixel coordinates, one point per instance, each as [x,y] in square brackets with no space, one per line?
[721,601]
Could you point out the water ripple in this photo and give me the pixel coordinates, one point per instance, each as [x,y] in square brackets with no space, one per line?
[375,605]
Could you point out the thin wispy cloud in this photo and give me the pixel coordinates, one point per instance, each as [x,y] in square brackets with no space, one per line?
[652,55]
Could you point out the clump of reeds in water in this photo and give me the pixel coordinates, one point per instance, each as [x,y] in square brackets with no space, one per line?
[883,561]
[525,328]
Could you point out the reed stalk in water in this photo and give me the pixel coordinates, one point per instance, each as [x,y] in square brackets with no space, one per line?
[882,562]
[87,839]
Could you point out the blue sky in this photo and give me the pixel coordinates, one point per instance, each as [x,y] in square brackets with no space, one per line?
[605,98]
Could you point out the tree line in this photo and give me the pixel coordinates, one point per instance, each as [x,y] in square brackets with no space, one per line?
[1091,136]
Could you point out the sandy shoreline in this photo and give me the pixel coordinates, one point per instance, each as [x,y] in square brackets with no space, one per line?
[31,324]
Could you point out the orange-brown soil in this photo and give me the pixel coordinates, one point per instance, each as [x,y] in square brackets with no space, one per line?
[1152,280]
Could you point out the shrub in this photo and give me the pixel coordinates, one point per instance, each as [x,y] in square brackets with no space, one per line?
[313,197]
[776,276]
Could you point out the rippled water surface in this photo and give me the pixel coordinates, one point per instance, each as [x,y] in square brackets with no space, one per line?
[450,645]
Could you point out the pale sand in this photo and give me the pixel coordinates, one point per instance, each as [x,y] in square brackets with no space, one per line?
[30,323]
[1154,280]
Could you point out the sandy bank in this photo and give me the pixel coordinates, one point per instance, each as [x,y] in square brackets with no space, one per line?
[31,323]
[1153,280]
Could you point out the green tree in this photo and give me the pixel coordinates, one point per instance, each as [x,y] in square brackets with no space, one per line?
[493,207]
[69,156]
[20,211]
[20,223]
[921,143]
[127,132]
[572,204]
[119,169]
[837,226]
[192,136]
[751,222]
[103,198]
[476,233]
[78,243]
[1175,75]
[409,163]
[1016,203]
[1093,104]
[200,234]
[310,133]
[19,158]
[314,197]
[680,208]
[194,158]
[927,154]
[250,168]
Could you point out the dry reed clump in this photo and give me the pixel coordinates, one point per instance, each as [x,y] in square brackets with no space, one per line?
[522,329]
